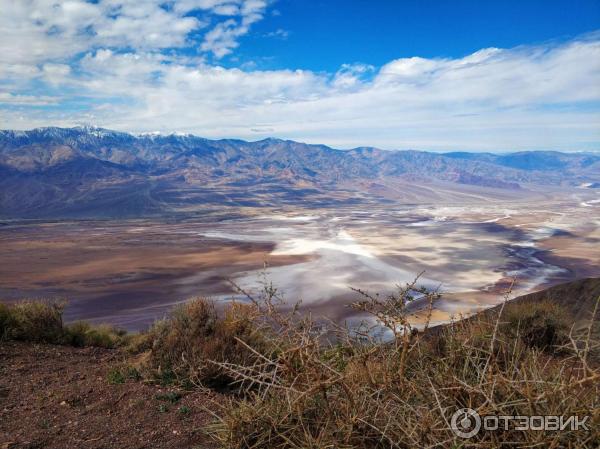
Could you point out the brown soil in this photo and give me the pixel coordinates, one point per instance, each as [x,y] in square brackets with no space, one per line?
[60,397]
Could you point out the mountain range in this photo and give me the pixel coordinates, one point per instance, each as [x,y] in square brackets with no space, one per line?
[94,172]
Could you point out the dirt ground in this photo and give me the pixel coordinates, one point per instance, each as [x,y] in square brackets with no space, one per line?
[61,397]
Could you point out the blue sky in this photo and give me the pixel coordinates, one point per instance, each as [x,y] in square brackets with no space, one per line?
[331,33]
[438,75]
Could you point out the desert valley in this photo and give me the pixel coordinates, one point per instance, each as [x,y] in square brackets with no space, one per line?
[279,224]
[124,227]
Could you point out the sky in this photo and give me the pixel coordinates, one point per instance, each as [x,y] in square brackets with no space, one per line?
[420,74]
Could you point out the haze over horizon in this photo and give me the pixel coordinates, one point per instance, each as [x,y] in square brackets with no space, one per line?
[395,77]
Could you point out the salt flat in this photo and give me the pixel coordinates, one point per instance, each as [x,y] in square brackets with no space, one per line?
[130,272]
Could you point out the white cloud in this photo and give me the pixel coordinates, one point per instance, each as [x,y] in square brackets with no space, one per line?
[28,100]
[521,98]
[56,73]
[108,55]
[279,33]
[351,75]
[34,31]
[223,38]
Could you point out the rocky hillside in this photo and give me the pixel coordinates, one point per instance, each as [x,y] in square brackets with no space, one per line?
[159,389]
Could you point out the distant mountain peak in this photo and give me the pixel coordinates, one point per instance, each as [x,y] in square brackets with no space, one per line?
[91,171]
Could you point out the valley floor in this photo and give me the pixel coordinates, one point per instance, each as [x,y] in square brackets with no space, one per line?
[131,272]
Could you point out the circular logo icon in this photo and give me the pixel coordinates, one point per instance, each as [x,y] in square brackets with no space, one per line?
[465,423]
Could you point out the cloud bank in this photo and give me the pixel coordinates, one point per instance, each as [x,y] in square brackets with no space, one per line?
[153,66]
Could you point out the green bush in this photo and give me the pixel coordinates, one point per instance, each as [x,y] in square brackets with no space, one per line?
[172,396]
[115,376]
[184,410]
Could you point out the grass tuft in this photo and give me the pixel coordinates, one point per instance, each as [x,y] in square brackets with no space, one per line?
[36,321]
[42,322]
[115,376]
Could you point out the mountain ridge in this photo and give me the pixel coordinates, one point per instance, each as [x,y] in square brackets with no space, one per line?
[54,171]
[100,132]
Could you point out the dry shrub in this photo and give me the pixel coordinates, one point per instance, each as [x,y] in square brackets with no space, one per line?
[360,392]
[543,324]
[37,321]
[42,322]
[6,321]
[83,334]
[185,345]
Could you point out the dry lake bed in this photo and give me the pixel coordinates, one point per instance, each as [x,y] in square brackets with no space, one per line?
[131,272]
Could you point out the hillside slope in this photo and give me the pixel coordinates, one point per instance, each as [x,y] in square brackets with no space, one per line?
[579,297]
[61,396]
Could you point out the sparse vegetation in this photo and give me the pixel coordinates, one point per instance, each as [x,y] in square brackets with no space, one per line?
[36,321]
[42,322]
[102,335]
[297,383]
[133,373]
[544,325]
[115,376]
[362,390]
[172,396]
[186,345]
